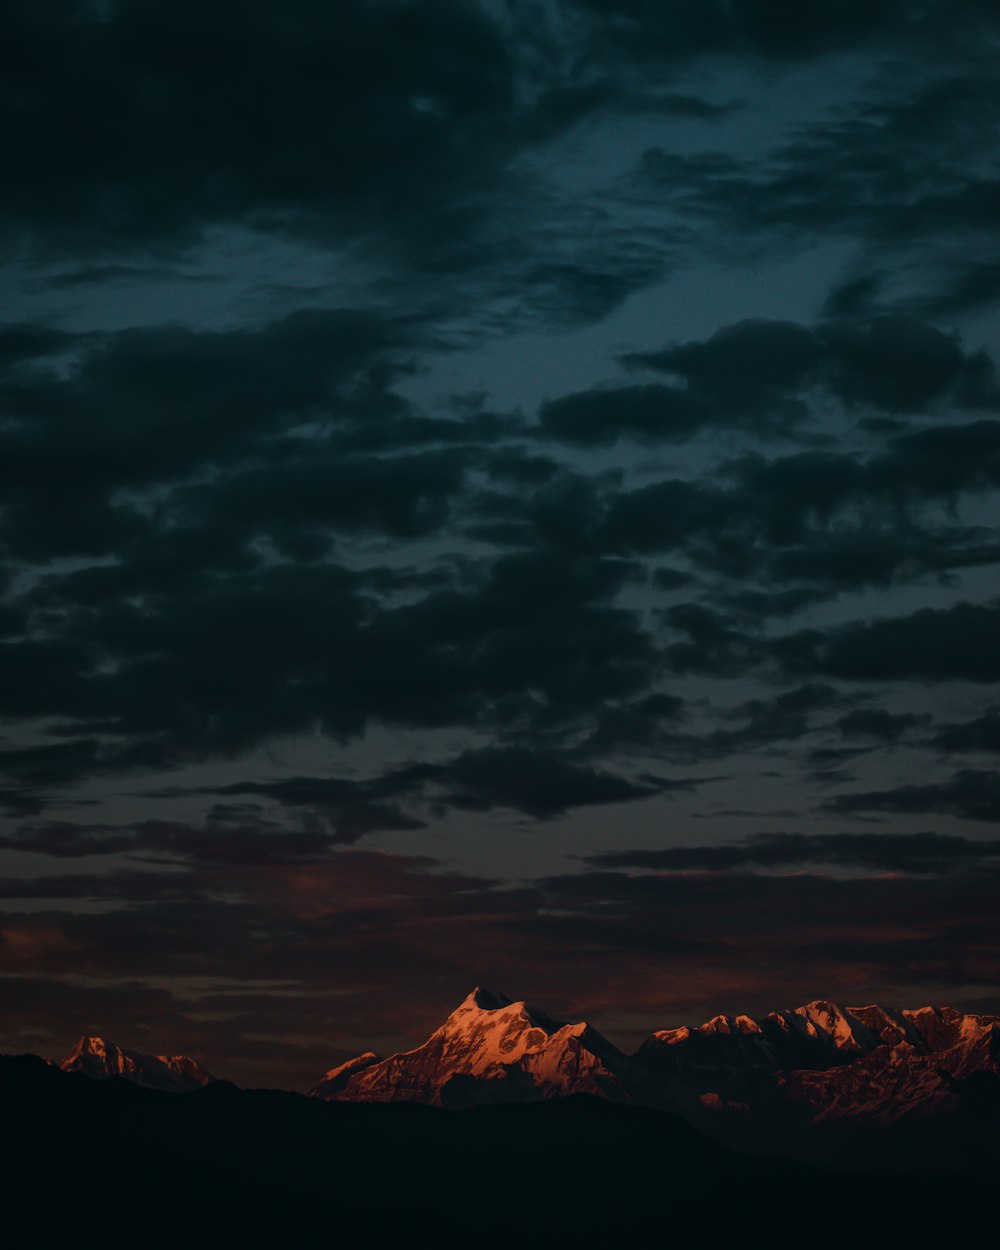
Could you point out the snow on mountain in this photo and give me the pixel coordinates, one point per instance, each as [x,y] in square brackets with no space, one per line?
[819,1060]
[490,1049]
[868,1063]
[99,1059]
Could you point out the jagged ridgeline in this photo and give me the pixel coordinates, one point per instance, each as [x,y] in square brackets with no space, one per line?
[817,1063]
[811,1081]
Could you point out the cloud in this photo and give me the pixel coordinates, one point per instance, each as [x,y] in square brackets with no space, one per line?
[964,287]
[899,364]
[25,342]
[878,723]
[235,604]
[980,734]
[895,852]
[650,413]
[665,726]
[760,375]
[302,124]
[971,793]
[711,642]
[931,644]
[852,559]
[536,782]
[815,523]
[532,635]
[742,367]
[395,118]
[37,770]
[140,408]
[941,461]
[239,834]
[773,31]
[867,170]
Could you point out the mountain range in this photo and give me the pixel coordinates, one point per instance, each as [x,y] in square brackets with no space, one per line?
[830,1063]
[782,1081]
[819,1062]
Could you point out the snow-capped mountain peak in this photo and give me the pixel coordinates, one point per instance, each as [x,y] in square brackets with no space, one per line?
[490,1049]
[493,1028]
[100,1058]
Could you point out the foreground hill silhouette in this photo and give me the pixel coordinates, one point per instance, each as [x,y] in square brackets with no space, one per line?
[111,1162]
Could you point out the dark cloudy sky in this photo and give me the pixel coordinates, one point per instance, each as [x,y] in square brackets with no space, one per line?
[494,491]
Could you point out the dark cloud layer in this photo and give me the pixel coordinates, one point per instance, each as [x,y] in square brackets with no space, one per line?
[870,172]
[899,852]
[971,793]
[756,375]
[929,644]
[141,134]
[210,486]
[765,28]
[391,116]
[336,519]
[540,784]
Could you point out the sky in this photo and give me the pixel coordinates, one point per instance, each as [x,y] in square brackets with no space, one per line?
[494,492]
